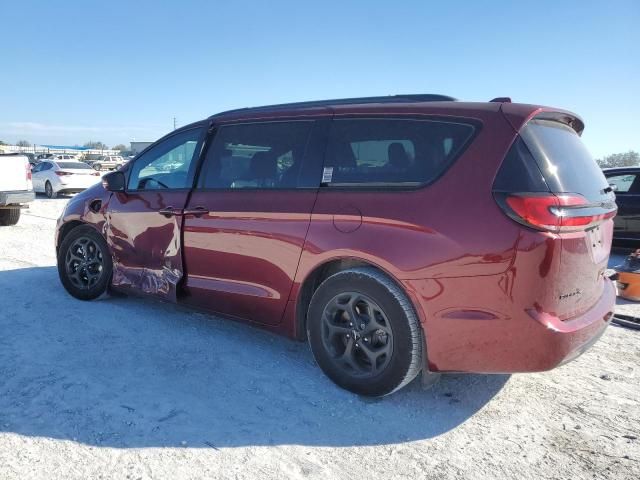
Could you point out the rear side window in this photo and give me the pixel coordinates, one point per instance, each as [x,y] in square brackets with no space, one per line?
[564,161]
[625,183]
[258,155]
[391,151]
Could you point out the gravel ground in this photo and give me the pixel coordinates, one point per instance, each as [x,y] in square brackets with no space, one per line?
[131,388]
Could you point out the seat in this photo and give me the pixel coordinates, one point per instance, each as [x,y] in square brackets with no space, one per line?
[262,172]
[398,157]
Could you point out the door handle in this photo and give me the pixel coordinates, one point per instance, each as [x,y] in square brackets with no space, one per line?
[197,211]
[170,212]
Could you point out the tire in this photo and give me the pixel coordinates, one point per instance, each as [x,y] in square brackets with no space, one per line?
[84,263]
[367,357]
[97,166]
[626,321]
[49,191]
[9,216]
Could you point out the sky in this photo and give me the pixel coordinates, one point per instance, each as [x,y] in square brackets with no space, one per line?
[116,71]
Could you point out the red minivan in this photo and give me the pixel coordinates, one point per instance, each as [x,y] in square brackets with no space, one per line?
[398,235]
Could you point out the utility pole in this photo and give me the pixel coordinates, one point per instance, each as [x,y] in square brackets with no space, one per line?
[174,123]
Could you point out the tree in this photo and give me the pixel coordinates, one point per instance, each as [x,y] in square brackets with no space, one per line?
[120,147]
[2,143]
[23,143]
[627,159]
[96,145]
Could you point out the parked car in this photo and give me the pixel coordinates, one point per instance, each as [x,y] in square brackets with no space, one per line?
[105,162]
[31,157]
[625,182]
[16,188]
[54,177]
[395,234]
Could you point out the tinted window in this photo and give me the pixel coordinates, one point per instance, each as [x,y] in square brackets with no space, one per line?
[376,151]
[257,155]
[519,171]
[46,166]
[74,165]
[623,183]
[563,159]
[168,164]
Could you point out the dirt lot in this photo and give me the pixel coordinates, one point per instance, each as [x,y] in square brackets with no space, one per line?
[130,388]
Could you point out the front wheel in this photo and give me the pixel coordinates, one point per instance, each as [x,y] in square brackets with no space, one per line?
[364,332]
[84,263]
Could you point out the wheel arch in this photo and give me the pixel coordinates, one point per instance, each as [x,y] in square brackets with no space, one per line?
[324,270]
[65,229]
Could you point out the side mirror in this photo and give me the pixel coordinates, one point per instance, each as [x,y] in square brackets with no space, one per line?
[114,181]
[614,187]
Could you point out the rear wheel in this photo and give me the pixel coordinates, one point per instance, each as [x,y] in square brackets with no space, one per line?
[84,263]
[9,216]
[364,333]
[97,166]
[48,190]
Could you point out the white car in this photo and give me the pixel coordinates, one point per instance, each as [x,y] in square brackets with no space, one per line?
[54,177]
[16,189]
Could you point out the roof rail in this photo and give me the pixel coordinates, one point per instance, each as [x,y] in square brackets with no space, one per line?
[409,98]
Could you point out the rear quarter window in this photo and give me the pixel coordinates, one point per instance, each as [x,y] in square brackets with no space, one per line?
[398,152]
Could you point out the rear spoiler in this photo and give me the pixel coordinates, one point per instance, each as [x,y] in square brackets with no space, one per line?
[568,118]
[518,114]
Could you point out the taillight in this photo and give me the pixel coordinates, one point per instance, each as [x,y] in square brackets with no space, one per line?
[63,174]
[27,167]
[554,213]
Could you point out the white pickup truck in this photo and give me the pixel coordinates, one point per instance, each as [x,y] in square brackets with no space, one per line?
[16,189]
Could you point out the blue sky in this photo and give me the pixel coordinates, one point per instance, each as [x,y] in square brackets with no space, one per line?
[115,71]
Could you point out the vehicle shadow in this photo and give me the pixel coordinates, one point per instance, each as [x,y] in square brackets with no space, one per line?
[127,372]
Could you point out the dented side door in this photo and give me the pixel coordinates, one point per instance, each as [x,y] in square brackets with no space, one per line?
[143,224]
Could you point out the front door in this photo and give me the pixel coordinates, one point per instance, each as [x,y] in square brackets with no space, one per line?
[143,223]
[247,219]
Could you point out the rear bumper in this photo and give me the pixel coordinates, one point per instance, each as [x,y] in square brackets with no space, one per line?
[569,339]
[16,198]
[530,341]
[75,185]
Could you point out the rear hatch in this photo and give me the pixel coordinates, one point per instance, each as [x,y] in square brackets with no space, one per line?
[76,173]
[16,173]
[550,182]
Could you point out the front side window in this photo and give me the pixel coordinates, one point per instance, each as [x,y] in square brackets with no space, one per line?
[169,164]
[256,155]
[391,151]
